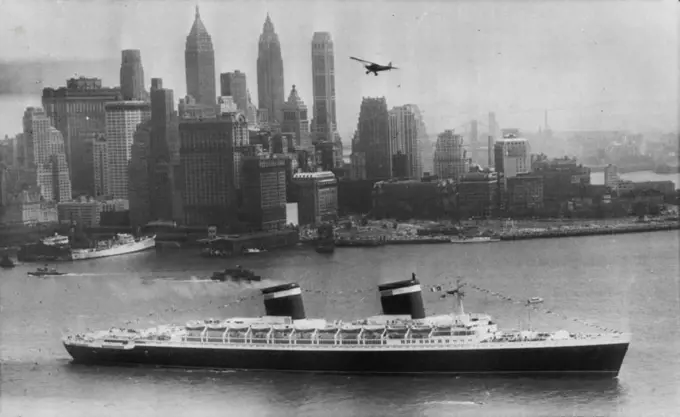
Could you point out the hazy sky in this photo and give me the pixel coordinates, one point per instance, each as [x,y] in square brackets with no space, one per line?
[592,64]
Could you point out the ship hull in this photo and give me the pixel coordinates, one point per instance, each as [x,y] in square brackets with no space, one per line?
[142,245]
[597,360]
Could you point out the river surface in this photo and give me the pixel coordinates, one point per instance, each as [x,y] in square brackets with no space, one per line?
[625,282]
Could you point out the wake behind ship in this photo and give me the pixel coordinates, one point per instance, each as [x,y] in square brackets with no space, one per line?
[402,340]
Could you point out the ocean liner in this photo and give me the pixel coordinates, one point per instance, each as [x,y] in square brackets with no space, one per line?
[402,340]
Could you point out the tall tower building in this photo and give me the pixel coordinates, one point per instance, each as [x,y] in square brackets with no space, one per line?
[493,131]
[270,72]
[77,110]
[406,131]
[138,176]
[163,149]
[323,86]
[295,120]
[512,156]
[374,139]
[207,164]
[132,75]
[233,84]
[100,163]
[450,159]
[199,57]
[44,151]
[122,119]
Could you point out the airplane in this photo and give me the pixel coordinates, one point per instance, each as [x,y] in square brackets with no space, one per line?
[374,68]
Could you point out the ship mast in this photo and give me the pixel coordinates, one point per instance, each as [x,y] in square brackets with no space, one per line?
[458,292]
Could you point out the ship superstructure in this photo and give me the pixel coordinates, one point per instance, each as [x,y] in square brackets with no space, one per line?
[402,340]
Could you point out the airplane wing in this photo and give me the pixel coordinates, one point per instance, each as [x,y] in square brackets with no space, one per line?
[361,60]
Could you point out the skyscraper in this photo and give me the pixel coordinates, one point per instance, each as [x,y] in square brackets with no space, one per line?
[100,164]
[295,120]
[44,152]
[270,72]
[163,154]
[207,163]
[77,110]
[406,132]
[374,138]
[138,177]
[450,159]
[233,84]
[132,75]
[199,59]
[323,86]
[122,119]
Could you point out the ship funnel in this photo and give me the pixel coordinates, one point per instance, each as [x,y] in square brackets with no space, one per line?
[284,301]
[402,298]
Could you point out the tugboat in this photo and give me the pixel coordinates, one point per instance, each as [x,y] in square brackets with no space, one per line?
[42,272]
[253,251]
[401,340]
[236,274]
[6,262]
[325,242]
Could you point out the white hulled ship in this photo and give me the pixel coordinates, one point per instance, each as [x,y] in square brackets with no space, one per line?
[402,340]
[121,244]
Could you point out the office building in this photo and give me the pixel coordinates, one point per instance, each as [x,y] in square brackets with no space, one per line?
[233,84]
[270,73]
[132,75]
[295,120]
[45,153]
[450,159]
[207,166]
[77,111]
[406,132]
[373,138]
[317,197]
[263,186]
[323,85]
[139,170]
[512,156]
[122,119]
[199,57]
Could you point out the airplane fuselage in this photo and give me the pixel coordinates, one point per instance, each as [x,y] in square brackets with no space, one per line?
[375,68]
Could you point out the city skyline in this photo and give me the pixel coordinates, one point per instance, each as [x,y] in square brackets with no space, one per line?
[586,71]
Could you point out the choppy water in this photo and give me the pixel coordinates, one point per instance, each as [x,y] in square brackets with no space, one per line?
[627,282]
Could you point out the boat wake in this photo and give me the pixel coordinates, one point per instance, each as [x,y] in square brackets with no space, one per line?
[92,274]
[469,403]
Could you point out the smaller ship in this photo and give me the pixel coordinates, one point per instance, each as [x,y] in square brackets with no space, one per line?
[236,274]
[121,244]
[535,300]
[42,272]
[6,262]
[56,240]
[325,242]
[253,251]
[478,239]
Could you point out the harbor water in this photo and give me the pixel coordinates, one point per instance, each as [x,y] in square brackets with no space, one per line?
[624,282]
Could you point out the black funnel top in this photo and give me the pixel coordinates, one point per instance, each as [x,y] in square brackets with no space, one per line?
[402,298]
[284,301]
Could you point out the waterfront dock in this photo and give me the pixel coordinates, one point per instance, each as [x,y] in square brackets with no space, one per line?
[575,231]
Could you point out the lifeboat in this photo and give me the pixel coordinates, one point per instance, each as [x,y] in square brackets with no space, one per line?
[195,325]
[217,326]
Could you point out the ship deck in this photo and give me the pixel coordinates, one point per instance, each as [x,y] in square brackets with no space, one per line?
[227,341]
